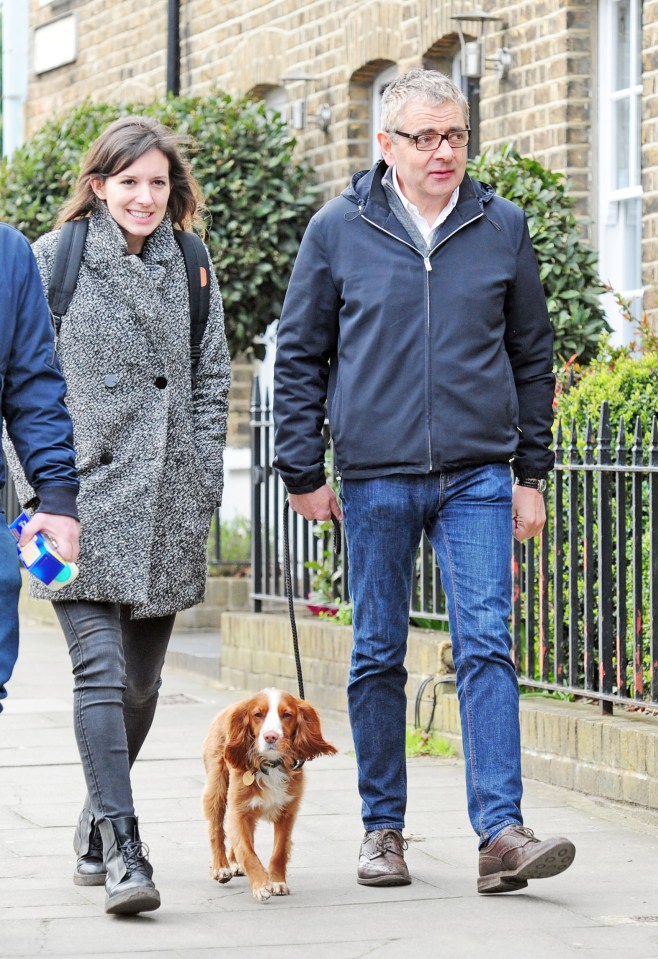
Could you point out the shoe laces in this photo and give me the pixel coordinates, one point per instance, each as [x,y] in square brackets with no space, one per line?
[527,832]
[391,841]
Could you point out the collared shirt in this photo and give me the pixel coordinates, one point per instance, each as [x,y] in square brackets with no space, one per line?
[425,228]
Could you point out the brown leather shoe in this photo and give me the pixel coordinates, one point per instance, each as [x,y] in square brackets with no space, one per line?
[381,859]
[516,855]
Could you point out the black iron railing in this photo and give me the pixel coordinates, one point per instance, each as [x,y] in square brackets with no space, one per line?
[586,592]
[585,600]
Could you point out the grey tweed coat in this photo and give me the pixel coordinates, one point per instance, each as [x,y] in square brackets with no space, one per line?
[149,453]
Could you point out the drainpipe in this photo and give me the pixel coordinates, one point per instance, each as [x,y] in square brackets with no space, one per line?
[173,47]
[15,32]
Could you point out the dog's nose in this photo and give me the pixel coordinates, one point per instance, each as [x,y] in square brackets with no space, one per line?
[271,737]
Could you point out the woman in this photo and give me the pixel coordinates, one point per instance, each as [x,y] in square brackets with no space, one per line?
[149,448]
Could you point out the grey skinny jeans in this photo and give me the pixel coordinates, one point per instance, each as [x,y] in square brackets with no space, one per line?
[117,662]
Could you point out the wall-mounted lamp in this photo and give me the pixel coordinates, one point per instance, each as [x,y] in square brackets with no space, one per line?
[473,60]
[299,115]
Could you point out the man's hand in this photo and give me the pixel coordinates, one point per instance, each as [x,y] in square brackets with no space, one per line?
[319,505]
[528,512]
[62,531]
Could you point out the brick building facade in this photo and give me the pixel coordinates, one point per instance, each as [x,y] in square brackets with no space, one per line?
[581,71]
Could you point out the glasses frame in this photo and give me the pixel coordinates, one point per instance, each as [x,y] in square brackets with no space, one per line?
[442,136]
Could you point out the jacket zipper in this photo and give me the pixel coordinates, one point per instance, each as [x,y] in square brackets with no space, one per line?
[428,270]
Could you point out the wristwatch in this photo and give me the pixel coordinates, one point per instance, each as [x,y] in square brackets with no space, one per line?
[531,483]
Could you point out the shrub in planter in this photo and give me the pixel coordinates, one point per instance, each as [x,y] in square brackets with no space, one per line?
[259,199]
[567,266]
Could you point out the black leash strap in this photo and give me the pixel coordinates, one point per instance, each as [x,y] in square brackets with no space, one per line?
[287,576]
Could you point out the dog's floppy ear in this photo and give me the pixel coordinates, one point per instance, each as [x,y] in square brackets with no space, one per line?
[308,740]
[239,739]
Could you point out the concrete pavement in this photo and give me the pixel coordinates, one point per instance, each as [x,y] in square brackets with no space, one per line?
[605,905]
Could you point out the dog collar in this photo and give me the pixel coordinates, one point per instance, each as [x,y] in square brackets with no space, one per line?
[271,764]
[250,775]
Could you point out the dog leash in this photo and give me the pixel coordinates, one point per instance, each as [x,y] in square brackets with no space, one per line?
[287,576]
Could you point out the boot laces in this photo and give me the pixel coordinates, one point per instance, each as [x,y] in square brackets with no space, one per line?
[135,854]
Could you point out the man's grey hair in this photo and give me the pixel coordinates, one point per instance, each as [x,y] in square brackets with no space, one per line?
[429,86]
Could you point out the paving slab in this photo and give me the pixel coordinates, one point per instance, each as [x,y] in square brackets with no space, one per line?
[605,905]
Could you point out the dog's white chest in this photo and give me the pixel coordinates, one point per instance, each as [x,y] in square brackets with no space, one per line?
[273,795]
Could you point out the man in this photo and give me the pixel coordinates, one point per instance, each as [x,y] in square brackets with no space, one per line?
[415,307]
[32,405]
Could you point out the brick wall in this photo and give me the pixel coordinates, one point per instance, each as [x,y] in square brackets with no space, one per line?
[257,651]
[122,56]
[545,106]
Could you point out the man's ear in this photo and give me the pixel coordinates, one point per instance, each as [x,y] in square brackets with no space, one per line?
[386,144]
[98,186]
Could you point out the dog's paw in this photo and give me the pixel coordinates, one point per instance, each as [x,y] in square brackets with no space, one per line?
[280,889]
[221,874]
[237,870]
[262,893]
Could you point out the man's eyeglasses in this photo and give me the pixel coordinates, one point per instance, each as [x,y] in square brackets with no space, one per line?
[432,141]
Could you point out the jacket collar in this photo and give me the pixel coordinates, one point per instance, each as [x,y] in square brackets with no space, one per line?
[366,190]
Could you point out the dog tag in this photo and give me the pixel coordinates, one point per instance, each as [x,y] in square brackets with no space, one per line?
[248,778]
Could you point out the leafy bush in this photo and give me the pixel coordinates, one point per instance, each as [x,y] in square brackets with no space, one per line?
[566,264]
[258,198]
[629,384]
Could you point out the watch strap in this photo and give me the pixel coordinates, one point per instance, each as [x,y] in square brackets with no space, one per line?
[531,483]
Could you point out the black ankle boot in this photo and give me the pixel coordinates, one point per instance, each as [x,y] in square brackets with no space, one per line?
[129,886]
[88,846]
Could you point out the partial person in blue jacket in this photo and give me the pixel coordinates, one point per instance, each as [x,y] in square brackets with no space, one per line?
[415,310]
[32,391]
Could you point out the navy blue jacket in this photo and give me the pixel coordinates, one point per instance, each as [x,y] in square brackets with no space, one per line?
[427,363]
[32,389]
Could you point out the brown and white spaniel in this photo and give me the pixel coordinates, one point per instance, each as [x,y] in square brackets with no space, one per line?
[254,754]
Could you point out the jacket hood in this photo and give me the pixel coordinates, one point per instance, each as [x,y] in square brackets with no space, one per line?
[366,186]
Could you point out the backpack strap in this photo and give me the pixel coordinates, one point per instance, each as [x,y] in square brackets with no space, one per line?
[66,267]
[196,264]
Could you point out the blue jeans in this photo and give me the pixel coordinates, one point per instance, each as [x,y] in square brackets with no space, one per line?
[117,662]
[10,587]
[466,515]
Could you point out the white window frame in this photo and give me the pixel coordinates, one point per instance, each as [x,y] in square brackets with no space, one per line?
[614,205]
[381,81]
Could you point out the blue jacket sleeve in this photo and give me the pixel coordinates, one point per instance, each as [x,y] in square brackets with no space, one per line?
[306,343]
[34,389]
[529,344]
